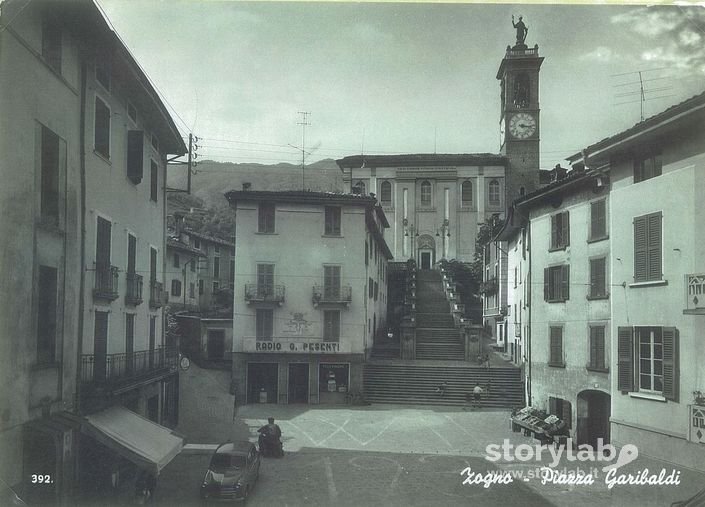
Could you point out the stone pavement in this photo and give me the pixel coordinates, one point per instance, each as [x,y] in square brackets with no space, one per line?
[423,438]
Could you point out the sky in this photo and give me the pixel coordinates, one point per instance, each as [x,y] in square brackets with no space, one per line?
[384,78]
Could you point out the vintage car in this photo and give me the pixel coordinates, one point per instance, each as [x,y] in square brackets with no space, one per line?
[232,473]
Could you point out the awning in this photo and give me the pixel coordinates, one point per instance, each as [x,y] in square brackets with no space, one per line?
[147,444]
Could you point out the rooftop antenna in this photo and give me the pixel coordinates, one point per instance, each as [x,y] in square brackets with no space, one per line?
[644,93]
[304,121]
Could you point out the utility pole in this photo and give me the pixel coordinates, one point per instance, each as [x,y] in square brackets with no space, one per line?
[304,121]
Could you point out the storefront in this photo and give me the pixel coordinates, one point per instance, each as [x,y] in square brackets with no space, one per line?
[333,382]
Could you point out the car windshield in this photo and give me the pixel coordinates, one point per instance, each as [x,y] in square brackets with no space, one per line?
[221,461]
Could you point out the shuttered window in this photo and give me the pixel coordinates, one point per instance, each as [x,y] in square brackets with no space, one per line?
[597,348]
[153,181]
[265,279]
[101,127]
[386,193]
[598,220]
[647,166]
[266,215]
[560,231]
[331,282]
[651,356]
[135,155]
[332,215]
[647,248]
[556,283]
[265,324]
[598,286]
[556,346]
[331,325]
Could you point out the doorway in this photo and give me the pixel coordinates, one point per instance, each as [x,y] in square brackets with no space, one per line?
[262,382]
[593,417]
[425,260]
[216,344]
[298,382]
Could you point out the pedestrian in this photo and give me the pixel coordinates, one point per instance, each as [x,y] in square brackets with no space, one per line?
[477,393]
[441,389]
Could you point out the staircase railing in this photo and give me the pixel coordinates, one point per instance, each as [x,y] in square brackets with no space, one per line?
[407,343]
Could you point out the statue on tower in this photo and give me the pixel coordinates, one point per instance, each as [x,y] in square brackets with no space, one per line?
[522,30]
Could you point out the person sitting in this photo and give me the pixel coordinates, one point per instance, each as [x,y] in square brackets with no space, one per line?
[441,389]
[270,435]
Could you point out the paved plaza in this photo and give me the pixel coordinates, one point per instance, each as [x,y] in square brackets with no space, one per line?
[383,455]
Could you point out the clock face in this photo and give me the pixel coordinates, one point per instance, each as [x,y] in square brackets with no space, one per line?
[522,125]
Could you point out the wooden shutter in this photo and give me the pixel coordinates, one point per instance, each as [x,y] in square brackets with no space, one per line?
[565,282]
[565,229]
[597,347]
[102,249]
[598,219]
[625,359]
[135,155]
[546,286]
[654,246]
[556,355]
[597,277]
[670,363]
[331,281]
[265,278]
[641,264]
[554,231]
[567,414]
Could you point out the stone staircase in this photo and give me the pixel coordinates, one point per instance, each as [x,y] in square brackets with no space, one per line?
[436,335]
[415,382]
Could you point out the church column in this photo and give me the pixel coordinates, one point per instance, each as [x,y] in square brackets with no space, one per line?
[446,216]
[405,204]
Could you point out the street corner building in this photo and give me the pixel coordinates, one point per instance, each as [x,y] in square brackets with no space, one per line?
[310,294]
[83,149]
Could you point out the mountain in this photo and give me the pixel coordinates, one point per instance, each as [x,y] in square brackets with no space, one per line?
[212,179]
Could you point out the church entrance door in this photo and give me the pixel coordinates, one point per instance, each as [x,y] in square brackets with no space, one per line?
[425,260]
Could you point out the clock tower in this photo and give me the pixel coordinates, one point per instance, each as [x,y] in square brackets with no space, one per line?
[519,117]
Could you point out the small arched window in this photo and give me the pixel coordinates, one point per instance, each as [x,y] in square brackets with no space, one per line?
[360,185]
[493,193]
[386,192]
[466,193]
[426,193]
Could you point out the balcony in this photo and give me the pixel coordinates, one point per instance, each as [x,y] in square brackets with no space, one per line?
[332,295]
[115,370]
[106,282]
[695,294]
[255,293]
[133,294]
[157,297]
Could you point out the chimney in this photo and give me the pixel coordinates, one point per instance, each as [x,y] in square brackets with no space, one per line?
[246,186]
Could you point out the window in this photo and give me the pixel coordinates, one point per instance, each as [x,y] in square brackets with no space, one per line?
[46,314]
[216,267]
[331,282]
[371,288]
[191,290]
[466,193]
[493,193]
[176,288]
[426,193]
[332,217]
[647,248]
[129,340]
[51,45]
[102,128]
[154,181]
[598,220]
[597,348]
[265,324]
[152,264]
[367,253]
[598,286]
[266,218]
[647,360]
[560,231]
[135,155]
[192,264]
[52,165]
[360,187]
[177,261]
[555,357]
[102,244]
[216,249]
[152,339]
[385,191]
[331,325]
[132,111]
[647,166]
[216,286]
[131,253]
[197,243]
[265,279]
[102,72]
[556,283]
[376,291]
[155,142]
[201,287]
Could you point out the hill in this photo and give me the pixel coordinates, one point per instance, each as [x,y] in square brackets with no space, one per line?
[212,179]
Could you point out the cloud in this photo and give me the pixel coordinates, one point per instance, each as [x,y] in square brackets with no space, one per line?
[600,54]
[674,34]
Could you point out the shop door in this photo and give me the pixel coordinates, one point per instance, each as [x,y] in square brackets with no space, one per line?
[298,382]
[262,382]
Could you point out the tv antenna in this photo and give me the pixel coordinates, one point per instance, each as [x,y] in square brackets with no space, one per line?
[643,93]
[304,122]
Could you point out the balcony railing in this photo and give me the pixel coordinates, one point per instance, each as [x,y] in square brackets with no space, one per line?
[106,282]
[255,293]
[157,297]
[122,368]
[695,292]
[332,295]
[133,294]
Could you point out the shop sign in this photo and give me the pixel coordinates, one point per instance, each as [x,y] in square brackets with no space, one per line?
[284,346]
[697,424]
